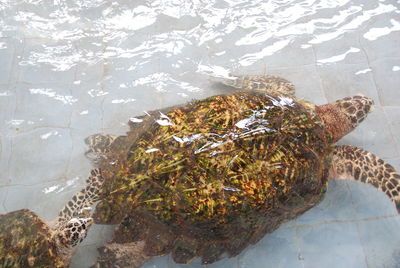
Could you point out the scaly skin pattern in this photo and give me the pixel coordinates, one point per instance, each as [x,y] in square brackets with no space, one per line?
[261,83]
[26,241]
[342,116]
[350,162]
[217,174]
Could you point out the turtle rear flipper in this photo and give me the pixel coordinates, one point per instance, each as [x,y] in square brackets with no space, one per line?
[122,255]
[260,82]
[350,162]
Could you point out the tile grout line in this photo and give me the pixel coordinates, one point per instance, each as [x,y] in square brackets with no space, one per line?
[16,69]
[104,61]
[300,257]
[30,185]
[70,121]
[336,63]
[4,200]
[357,226]
[38,128]
[318,74]
[379,93]
[14,61]
[341,221]
[9,85]
[372,71]
[11,139]
[391,132]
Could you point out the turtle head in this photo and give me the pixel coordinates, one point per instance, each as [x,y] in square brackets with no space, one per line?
[342,116]
[74,231]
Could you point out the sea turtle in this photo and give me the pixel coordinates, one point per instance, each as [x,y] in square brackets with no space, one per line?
[28,241]
[207,179]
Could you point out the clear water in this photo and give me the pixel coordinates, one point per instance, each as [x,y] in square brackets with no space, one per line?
[70,69]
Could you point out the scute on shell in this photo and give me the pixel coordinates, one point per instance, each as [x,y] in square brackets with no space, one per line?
[218,174]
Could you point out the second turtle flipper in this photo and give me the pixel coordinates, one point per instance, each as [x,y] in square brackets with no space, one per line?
[82,200]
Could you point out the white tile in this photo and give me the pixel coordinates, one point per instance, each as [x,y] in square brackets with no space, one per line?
[335,205]
[293,54]
[87,112]
[3,196]
[278,249]
[40,156]
[378,39]
[387,80]
[91,60]
[5,156]
[343,50]
[393,115]
[7,107]
[343,80]
[331,245]
[79,165]
[381,242]
[33,197]
[7,55]
[310,89]
[369,202]
[44,105]
[374,135]
[47,61]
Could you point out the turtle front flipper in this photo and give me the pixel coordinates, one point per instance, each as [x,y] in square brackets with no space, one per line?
[350,162]
[80,204]
[260,82]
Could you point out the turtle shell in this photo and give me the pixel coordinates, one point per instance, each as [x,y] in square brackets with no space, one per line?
[26,241]
[209,178]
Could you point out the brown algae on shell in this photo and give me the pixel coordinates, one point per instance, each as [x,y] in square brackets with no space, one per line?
[218,173]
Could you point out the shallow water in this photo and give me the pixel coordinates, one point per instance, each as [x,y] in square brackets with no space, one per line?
[70,69]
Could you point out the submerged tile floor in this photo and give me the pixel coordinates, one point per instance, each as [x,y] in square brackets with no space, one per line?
[70,69]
